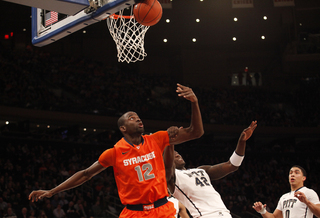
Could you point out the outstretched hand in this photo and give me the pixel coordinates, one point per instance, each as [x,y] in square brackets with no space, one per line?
[247,133]
[186,92]
[258,206]
[39,194]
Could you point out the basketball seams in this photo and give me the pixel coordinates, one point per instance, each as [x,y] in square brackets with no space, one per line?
[146,15]
[148,12]
[157,17]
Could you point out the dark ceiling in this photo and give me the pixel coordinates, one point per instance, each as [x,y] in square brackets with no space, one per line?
[216,26]
[213,53]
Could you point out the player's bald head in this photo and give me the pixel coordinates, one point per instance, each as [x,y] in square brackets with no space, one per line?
[123,118]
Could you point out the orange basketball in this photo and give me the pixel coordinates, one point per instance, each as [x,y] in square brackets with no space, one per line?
[147,12]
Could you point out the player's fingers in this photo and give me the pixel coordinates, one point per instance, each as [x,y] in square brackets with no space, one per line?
[257,204]
[188,95]
[181,86]
[253,128]
[252,123]
[256,207]
[298,194]
[186,92]
[32,196]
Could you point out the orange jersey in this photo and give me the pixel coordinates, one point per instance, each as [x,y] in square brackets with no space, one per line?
[139,170]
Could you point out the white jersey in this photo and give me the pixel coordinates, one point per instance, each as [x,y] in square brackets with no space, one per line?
[176,204]
[194,190]
[291,207]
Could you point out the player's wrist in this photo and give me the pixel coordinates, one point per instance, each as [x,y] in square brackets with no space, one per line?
[236,159]
[263,210]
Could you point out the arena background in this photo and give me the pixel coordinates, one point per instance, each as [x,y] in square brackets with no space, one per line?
[59,104]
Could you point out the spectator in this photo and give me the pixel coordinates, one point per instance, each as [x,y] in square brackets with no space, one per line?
[48,210]
[59,212]
[42,214]
[55,201]
[3,205]
[97,210]
[24,213]
[71,211]
[32,214]
[83,213]
[9,213]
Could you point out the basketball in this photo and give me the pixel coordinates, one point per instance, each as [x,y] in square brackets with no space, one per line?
[147,12]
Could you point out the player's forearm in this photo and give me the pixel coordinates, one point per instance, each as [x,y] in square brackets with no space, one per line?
[183,214]
[221,170]
[241,148]
[315,208]
[75,180]
[168,157]
[196,125]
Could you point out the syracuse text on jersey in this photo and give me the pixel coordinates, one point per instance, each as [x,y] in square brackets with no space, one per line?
[139,159]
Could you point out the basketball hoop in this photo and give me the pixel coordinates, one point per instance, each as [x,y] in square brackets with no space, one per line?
[128,35]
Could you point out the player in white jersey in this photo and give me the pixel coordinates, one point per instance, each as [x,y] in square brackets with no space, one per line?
[300,202]
[193,187]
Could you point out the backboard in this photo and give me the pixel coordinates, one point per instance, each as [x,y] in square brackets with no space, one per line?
[69,7]
[49,26]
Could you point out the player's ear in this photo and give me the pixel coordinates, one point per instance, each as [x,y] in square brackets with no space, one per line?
[304,178]
[122,128]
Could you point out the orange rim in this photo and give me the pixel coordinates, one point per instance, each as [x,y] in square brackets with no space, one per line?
[116,16]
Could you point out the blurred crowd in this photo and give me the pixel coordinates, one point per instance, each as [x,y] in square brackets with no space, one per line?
[38,80]
[41,81]
[31,164]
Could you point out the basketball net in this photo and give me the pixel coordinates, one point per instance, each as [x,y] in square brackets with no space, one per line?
[128,35]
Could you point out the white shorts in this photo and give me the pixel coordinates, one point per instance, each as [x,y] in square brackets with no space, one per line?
[217,215]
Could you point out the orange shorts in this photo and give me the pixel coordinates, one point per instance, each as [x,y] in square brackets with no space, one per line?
[165,211]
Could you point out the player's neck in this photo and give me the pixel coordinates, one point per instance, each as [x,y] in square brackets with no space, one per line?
[133,140]
[296,187]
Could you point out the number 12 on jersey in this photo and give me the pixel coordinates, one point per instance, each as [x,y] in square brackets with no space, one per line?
[144,172]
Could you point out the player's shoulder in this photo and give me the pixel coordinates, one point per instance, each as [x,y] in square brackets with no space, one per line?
[122,142]
[180,171]
[307,190]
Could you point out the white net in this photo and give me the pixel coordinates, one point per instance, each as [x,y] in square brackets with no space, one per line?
[128,35]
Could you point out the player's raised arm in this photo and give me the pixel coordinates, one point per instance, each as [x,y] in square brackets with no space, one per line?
[75,180]
[221,170]
[168,157]
[195,130]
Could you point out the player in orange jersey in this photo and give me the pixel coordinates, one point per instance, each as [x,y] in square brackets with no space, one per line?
[138,164]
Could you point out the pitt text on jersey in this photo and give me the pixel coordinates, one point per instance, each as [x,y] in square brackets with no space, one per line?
[289,203]
[200,179]
[198,173]
[139,159]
